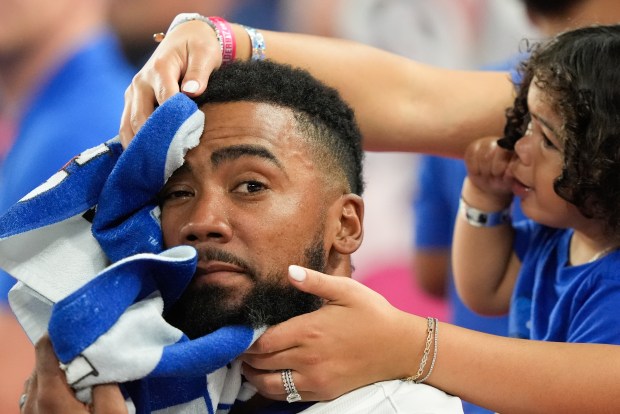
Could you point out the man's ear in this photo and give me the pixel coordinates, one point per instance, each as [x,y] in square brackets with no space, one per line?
[350,230]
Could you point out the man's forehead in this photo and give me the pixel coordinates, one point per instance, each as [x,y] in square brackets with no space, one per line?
[237,129]
[260,119]
[255,124]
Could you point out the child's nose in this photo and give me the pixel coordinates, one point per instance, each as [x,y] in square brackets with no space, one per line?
[523,148]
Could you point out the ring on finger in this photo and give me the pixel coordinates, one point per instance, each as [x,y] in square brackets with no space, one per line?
[289,386]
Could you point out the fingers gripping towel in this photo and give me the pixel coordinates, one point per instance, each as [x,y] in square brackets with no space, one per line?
[86,248]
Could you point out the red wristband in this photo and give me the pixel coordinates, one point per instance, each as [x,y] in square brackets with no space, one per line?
[227,36]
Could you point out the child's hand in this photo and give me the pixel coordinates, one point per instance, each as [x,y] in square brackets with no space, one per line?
[490,184]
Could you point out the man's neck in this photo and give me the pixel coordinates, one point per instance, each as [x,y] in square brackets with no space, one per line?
[260,404]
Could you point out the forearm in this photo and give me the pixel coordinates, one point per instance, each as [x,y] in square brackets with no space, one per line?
[401,105]
[522,376]
[358,338]
[482,257]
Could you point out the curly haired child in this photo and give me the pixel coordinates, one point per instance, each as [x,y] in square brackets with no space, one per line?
[556,274]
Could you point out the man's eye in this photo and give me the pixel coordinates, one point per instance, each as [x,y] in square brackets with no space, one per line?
[250,187]
[175,194]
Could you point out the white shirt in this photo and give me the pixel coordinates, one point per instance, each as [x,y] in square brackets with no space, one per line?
[391,397]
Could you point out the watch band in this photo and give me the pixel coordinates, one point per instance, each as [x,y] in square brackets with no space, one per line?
[479,218]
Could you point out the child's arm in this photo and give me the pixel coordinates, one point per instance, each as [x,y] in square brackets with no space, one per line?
[484,264]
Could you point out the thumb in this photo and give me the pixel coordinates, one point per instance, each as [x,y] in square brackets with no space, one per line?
[203,56]
[199,68]
[335,289]
[108,399]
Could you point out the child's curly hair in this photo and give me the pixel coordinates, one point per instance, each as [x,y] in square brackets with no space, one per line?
[579,71]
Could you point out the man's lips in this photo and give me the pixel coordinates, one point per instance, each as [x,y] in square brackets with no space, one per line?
[217,271]
[213,266]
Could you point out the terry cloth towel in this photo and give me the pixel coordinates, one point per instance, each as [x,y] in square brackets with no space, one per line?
[87,250]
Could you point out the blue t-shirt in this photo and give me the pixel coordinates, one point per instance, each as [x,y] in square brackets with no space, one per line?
[435,208]
[553,301]
[79,107]
[263,14]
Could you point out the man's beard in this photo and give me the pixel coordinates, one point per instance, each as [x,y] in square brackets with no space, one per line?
[204,309]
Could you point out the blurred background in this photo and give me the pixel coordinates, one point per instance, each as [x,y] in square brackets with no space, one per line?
[70,60]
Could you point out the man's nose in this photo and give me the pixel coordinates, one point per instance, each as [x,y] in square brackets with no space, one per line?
[207,221]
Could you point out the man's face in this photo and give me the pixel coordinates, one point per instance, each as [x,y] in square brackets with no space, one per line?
[252,201]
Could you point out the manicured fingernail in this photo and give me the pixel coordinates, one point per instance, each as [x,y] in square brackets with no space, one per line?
[297,273]
[190,86]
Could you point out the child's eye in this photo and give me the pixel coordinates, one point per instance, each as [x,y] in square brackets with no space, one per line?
[250,187]
[548,143]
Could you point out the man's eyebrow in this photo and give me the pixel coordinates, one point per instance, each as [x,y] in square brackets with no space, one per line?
[237,151]
[184,168]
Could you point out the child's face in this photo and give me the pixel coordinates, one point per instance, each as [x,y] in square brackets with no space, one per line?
[538,162]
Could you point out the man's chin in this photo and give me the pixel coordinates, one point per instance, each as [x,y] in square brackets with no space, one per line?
[257,300]
[204,309]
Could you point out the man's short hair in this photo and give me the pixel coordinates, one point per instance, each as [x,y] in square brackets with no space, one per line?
[321,114]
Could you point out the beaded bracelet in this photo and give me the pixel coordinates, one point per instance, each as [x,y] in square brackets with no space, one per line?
[224,34]
[226,37]
[430,328]
[222,28]
[185,17]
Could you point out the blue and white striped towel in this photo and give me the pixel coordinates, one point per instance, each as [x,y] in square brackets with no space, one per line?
[86,248]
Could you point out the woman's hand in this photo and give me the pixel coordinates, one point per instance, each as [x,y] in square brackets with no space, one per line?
[355,339]
[186,56]
[47,391]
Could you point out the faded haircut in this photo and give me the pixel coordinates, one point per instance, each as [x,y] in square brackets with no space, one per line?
[322,115]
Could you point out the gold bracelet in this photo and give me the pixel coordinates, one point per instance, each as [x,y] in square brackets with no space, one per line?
[435,341]
[430,328]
